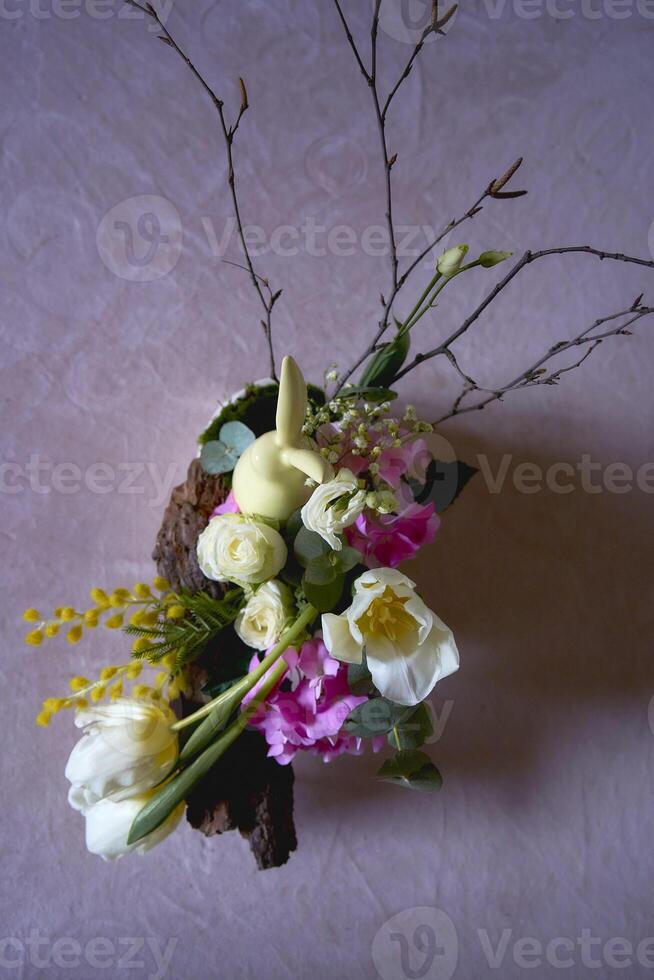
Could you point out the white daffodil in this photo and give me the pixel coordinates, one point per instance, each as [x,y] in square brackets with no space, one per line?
[408,648]
[108,825]
[233,548]
[261,620]
[333,506]
[127,748]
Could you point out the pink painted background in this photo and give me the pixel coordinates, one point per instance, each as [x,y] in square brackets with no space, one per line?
[545,823]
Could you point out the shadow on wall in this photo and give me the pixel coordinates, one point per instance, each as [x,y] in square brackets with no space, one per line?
[550,598]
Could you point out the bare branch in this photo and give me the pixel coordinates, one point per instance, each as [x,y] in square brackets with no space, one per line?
[228,134]
[536,374]
[526,259]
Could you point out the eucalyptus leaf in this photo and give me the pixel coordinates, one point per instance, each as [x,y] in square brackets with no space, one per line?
[412,769]
[377,716]
[309,545]
[412,732]
[237,437]
[222,454]
[321,571]
[294,524]
[359,679]
[323,597]
[348,558]
[443,483]
[216,458]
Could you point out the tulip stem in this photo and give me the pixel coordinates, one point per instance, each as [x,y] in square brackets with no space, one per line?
[237,691]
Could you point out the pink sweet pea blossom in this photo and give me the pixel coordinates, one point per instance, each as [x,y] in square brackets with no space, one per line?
[307,709]
[228,506]
[388,539]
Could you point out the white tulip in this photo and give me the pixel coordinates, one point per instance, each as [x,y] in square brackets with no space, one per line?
[108,825]
[333,506]
[127,748]
[408,648]
[261,621]
[233,548]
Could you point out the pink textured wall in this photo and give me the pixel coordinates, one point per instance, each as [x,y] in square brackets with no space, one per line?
[544,825]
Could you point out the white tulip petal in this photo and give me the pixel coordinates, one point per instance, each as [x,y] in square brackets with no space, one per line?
[375,581]
[406,673]
[339,640]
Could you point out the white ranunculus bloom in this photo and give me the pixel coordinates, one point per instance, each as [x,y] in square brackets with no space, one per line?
[261,620]
[108,825]
[333,506]
[127,748]
[233,548]
[408,648]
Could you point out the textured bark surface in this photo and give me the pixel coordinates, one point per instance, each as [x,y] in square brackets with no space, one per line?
[245,790]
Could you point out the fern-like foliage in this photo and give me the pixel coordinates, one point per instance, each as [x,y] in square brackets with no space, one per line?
[187,636]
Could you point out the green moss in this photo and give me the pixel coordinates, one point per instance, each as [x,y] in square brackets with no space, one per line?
[256,409]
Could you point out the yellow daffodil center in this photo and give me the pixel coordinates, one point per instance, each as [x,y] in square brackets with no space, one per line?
[386,616]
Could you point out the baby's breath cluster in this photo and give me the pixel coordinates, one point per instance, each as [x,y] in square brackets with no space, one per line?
[350,426]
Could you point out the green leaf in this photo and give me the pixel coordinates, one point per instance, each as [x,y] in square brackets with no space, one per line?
[359,679]
[384,366]
[294,524]
[236,437]
[443,483]
[348,558]
[377,716]
[323,597]
[162,804]
[412,732]
[214,723]
[216,458]
[321,571]
[412,769]
[309,545]
[367,394]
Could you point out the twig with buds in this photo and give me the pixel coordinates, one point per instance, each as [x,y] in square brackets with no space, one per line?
[260,283]
[494,189]
[537,374]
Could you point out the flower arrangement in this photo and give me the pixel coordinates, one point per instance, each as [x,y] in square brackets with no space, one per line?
[299,629]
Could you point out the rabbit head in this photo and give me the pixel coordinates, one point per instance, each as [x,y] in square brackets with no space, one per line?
[270,478]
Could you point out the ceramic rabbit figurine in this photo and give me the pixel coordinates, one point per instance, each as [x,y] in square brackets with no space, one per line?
[270,477]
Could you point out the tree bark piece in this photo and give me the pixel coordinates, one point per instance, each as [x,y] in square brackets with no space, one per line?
[245,790]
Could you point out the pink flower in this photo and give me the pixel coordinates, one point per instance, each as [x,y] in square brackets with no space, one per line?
[307,709]
[228,506]
[389,539]
[409,459]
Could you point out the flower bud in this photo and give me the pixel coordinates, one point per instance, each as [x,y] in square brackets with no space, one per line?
[450,261]
[488,259]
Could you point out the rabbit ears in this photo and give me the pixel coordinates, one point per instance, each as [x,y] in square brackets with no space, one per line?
[291,403]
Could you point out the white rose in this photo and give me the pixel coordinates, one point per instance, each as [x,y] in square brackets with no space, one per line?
[108,825]
[333,506]
[233,548]
[127,748]
[408,648]
[262,619]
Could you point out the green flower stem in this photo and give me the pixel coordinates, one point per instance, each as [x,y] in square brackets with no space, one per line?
[235,694]
[408,323]
[163,803]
